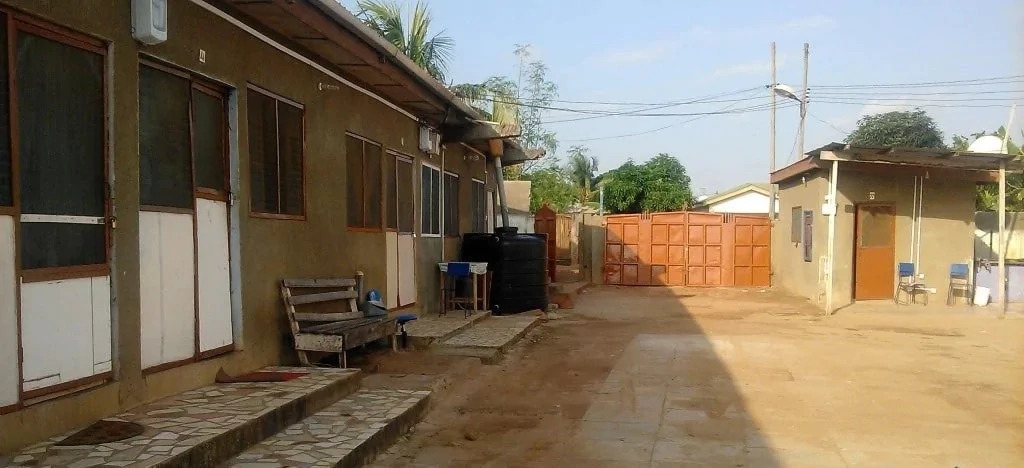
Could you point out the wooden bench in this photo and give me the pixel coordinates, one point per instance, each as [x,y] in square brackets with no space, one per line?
[335,331]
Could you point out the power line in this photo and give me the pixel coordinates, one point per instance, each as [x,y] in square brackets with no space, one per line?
[965,82]
[635,112]
[904,93]
[896,104]
[721,111]
[913,99]
[628,103]
[819,119]
[792,150]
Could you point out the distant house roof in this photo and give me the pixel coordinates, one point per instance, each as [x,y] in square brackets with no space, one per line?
[738,190]
[978,166]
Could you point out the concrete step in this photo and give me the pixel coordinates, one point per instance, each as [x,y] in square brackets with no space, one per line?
[350,432]
[430,329]
[206,426]
[489,339]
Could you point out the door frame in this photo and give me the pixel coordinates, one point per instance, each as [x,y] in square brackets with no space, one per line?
[18,23]
[223,92]
[856,246]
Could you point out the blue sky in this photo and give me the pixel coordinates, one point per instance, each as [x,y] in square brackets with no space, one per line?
[661,51]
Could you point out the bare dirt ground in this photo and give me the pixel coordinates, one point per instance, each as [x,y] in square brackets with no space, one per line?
[683,377]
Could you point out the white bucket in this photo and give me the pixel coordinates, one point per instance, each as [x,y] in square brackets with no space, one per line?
[981,295]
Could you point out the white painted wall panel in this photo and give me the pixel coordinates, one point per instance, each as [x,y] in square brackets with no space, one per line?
[748,203]
[150,289]
[101,324]
[391,239]
[167,264]
[59,335]
[214,275]
[8,316]
[406,270]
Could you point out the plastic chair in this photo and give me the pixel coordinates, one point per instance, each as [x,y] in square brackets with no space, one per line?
[402,320]
[456,276]
[959,281]
[907,284]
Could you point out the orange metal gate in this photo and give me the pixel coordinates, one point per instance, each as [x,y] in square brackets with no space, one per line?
[687,249]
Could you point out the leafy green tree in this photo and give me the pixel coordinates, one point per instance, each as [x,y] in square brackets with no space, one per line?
[581,169]
[413,38]
[520,101]
[988,194]
[660,184]
[535,92]
[551,185]
[911,129]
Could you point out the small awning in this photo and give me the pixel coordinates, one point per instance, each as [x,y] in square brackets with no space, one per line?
[978,166]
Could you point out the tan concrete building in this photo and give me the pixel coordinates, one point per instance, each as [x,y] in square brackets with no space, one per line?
[892,206]
[153,196]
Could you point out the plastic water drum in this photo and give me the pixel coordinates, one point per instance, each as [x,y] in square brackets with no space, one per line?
[982,295]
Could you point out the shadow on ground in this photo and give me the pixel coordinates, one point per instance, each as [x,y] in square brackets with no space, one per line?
[627,378]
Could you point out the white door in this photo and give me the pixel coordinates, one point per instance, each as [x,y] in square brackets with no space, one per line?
[391,240]
[406,270]
[214,276]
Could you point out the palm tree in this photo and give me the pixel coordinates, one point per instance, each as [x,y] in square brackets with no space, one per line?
[581,171]
[413,38]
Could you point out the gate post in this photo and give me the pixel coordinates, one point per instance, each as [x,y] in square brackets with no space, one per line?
[545,222]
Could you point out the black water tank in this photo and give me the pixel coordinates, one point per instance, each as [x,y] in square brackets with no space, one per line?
[517,263]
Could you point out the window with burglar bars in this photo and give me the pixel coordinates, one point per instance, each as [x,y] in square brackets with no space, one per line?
[60,158]
[364,180]
[430,201]
[275,156]
[479,200]
[796,225]
[398,182]
[451,204]
[182,127]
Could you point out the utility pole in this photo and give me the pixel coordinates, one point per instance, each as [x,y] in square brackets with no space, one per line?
[771,140]
[803,106]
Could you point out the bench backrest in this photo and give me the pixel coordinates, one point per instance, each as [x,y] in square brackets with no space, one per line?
[302,292]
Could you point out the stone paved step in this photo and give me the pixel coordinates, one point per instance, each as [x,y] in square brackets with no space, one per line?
[350,432]
[490,338]
[202,427]
[429,329]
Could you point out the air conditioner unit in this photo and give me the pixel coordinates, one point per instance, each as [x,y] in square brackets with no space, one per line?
[430,141]
[149,21]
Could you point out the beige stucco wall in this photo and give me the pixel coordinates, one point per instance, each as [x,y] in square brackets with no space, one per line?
[947,226]
[789,270]
[947,229]
[321,245]
[518,193]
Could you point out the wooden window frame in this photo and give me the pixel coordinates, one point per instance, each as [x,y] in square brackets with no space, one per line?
[254,213]
[444,205]
[440,200]
[474,182]
[211,89]
[404,158]
[20,23]
[796,225]
[380,180]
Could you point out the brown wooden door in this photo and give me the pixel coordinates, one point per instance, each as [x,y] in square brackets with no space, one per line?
[875,246]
